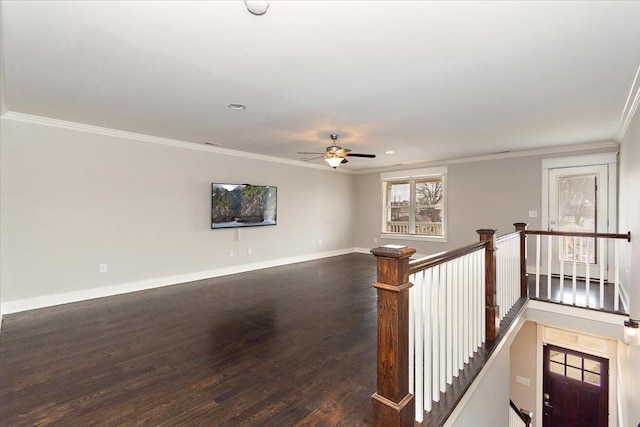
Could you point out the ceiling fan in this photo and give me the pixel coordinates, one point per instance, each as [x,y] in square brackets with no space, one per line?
[336,155]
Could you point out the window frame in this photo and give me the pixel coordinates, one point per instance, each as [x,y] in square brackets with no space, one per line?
[412,176]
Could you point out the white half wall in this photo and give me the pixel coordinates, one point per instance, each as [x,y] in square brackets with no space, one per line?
[72,200]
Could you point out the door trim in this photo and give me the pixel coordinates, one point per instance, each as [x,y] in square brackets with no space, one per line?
[610,353]
[609,159]
[602,389]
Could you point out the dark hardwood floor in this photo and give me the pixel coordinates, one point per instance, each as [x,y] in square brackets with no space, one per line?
[292,345]
[583,300]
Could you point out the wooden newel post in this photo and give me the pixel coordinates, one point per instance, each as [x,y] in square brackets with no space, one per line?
[492,311]
[524,287]
[392,403]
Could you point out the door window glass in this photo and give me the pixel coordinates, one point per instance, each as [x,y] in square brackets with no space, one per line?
[577,213]
[575,367]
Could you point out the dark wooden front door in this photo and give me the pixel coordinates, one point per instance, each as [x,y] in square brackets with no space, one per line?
[575,389]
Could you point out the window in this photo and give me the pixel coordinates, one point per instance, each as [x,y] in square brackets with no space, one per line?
[414,203]
[576,367]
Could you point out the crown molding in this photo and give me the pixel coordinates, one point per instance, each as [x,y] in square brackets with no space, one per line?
[97,130]
[497,156]
[630,107]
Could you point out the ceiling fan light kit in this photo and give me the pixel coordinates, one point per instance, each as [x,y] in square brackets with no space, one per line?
[334,162]
[334,155]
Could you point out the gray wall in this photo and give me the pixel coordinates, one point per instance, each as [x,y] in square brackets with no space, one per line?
[481,194]
[72,200]
[488,403]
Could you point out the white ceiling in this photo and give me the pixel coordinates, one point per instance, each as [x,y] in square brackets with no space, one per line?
[429,80]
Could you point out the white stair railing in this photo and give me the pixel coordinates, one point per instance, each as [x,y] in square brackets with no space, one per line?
[579,261]
[446,323]
[508,274]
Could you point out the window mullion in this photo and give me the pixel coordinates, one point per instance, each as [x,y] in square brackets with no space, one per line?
[412,206]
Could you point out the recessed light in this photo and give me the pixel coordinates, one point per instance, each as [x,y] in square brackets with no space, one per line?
[237,107]
[389,152]
[257,7]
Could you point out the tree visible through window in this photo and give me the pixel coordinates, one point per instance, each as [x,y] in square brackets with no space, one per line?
[414,205]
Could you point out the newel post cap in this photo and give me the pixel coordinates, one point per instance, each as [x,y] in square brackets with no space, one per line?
[393,251]
[488,231]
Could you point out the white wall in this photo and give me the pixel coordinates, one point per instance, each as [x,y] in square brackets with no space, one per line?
[523,364]
[629,357]
[481,194]
[72,200]
[488,406]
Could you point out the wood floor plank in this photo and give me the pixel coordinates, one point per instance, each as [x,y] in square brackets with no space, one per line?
[293,345]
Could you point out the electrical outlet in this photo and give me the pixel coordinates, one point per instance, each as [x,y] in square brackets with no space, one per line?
[375,240]
[102,268]
[320,242]
[230,252]
[522,380]
[249,251]
[533,214]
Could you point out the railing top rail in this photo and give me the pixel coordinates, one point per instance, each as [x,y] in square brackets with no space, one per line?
[626,236]
[507,236]
[442,257]
[525,419]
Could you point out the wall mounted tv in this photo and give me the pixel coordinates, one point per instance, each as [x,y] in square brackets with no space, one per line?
[242,205]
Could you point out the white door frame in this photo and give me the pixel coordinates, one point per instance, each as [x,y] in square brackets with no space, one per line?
[609,350]
[610,160]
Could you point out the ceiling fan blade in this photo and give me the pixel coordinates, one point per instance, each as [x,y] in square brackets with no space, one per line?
[307,152]
[370,156]
[344,161]
[313,158]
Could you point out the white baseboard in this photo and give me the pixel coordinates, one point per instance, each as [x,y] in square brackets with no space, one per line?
[92,293]
[363,250]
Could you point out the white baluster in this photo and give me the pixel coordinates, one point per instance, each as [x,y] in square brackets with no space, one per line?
[603,261]
[538,265]
[561,252]
[549,256]
[449,323]
[616,263]
[419,346]
[574,274]
[587,266]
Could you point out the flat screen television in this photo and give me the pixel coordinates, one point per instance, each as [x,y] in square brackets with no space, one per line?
[243,205]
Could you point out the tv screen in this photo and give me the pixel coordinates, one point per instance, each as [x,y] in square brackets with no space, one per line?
[242,205]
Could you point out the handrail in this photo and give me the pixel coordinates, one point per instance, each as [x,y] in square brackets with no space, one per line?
[442,257]
[526,419]
[507,236]
[626,236]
